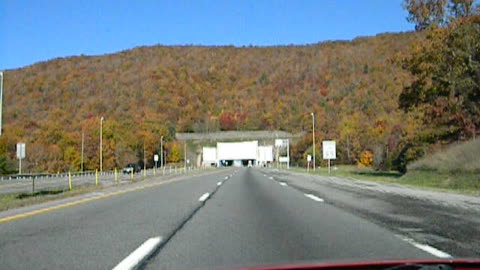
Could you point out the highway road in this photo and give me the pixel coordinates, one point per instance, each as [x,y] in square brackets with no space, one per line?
[217,219]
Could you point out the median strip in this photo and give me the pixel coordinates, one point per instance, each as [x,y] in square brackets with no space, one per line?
[85,200]
[139,255]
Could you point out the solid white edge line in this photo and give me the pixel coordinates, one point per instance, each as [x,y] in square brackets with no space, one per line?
[283,184]
[226,177]
[204,197]
[141,253]
[434,251]
[313,197]
[219,183]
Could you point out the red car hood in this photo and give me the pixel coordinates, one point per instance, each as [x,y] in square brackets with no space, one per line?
[457,264]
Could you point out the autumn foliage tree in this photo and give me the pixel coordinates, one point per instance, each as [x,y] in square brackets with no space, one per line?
[149,92]
[425,13]
[446,85]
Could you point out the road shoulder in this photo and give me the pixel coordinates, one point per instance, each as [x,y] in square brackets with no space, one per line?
[445,220]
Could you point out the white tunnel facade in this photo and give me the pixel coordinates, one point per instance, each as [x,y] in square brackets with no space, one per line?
[237,153]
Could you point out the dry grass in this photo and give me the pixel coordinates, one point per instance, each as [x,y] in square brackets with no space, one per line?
[19,199]
[458,158]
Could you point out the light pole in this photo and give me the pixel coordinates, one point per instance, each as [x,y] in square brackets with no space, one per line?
[83,148]
[313,137]
[161,152]
[288,153]
[101,147]
[1,101]
[185,156]
[144,160]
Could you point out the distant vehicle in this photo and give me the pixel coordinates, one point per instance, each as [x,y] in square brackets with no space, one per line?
[130,167]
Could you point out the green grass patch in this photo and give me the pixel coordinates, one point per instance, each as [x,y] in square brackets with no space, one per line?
[460,182]
[467,183]
[350,171]
[15,200]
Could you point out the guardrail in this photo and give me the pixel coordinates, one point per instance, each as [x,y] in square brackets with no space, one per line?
[68,180]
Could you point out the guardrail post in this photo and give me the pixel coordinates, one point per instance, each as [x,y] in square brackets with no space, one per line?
[69,180]
[96,177]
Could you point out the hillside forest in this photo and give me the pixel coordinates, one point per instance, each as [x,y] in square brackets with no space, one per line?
[386,99]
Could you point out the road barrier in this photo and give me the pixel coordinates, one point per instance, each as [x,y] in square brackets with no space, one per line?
[26,183]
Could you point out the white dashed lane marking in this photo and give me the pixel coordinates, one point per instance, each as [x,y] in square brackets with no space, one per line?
[313,197]
[141,253]
[204,197]
[434,251]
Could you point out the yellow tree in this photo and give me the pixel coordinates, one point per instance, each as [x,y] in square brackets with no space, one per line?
[175,153]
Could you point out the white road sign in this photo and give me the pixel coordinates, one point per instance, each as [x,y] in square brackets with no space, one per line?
[281,142]
[265,153]
[309,158]
[20,150]
[155,158]
[283,159]
[329,150]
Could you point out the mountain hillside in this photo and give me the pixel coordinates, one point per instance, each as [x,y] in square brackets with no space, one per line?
[148,92]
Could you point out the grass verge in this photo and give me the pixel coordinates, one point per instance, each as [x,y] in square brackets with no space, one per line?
[460,182]
[19,199]
[350,171]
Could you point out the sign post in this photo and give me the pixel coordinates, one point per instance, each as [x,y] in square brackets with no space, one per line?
[309,158]
[20,155]
[155,158]
[329,152]
[283,144]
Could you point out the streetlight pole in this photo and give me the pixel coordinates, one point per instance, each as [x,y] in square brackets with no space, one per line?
[1,101]
[288,153]
[185,156]
[144,159]
[101,146]
[313,137]
[83,147]
[161,152]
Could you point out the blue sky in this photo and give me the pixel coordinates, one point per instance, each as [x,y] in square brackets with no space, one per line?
[39,30]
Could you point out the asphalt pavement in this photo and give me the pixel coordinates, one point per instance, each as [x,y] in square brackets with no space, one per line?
[222,219]
[253,220]
[448,221]
[98,234]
